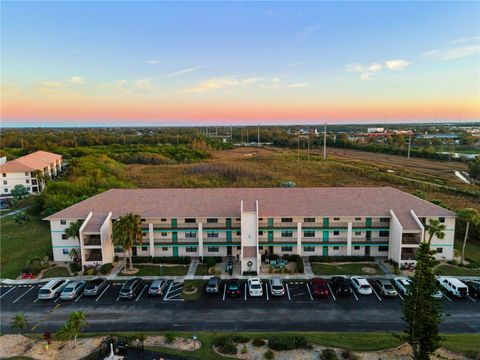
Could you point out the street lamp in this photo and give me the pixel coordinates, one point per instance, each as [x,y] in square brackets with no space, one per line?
[194,341]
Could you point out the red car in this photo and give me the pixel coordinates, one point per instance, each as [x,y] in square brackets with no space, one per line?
[319,287]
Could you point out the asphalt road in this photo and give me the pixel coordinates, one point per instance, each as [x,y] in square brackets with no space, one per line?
[295,311]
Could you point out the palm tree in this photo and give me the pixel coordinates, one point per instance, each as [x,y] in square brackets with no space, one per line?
[73,230]
[468,216]
[127,231]
[435,228]
[74,325]
[19,323]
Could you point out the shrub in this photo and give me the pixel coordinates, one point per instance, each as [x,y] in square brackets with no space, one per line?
[349,355]
[281,342]
[300,266]
[328,259]
[291,257]
[269,355]
[328,354]
[244,349]
[225,345]
[105,268]
[182,260]
[211,261]
[75,267]
[170,338]
[249,273]
[258,342]
[241,339]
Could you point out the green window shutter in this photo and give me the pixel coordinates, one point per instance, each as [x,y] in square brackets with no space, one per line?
[325,251]
[174,223]
[368,222]
[174,240]
[229,235]
[229,223]
[326,222]
[325,236]
[270,236]
[270,222]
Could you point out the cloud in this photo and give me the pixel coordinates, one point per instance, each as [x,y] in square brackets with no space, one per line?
[223,82]
[271,13]
[298,85]
[464,40]
[77,80]
[276,80]
[184,71]
[452,53]
[118,85]
[365,70]
[144,84]
[52,84]
[397,64]
[153,61]
[295,64]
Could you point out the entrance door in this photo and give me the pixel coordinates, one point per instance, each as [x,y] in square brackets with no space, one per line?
[229,251]
[270,249]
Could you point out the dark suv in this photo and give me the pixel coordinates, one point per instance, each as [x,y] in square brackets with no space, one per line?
[340,285]
[131,288]
[473,287]
[212,286]
[233,288]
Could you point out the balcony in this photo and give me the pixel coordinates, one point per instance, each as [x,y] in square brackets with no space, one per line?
[408,254]
[92,240]
[410,239]
[94,255]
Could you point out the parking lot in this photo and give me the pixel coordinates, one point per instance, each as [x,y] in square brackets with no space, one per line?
[297,304]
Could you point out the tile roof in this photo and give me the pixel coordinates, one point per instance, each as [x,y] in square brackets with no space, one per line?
[31,162]
[275,202]
[95,223]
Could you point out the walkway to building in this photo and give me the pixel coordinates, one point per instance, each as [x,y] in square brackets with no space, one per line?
[307,267]
[192,269]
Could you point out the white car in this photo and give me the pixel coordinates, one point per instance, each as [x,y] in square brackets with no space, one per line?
[255,287]
[403,284]
[361,285]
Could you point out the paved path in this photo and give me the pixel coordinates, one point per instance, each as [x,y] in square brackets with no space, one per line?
[384,267]
[14,212]
[192,269]
[307,267]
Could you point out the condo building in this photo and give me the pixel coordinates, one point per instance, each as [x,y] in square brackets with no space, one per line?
[25,170]
[247,222]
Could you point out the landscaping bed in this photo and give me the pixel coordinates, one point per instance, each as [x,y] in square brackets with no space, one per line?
[188,289]
[57,271]
[357,268]
[157,270]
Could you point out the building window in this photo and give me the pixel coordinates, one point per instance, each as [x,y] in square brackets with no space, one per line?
[65,251]
[239,247]
[309,220]
[384,233]
[142,220]
[26,174]
[191,249]
[6,190]
[163,220]
[358,219]
[287,233]
[309,248]
[260,248]
[336,232]
[27,181]
[164,248]
[358,233]
[35,189]
[212,220]
[190,220]
[442,219]
[309,233]
[64,237]
[5,182]
[287,248]
[336,219]
[260,233]
[383,248]
[163,234]
[286,220]
[144,248]
[439,250]
[237,219]
[239,233]
[384,219]
[212,234]
[28,188]
[4,175]
[356,248]
[190,234]
[63,222]
[213,249]
[335,247]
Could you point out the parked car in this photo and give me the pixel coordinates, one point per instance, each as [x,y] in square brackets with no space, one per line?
[131,288]
[384,288]
[319,288]
[473,287]
[276,287]
[52,289]
[453,286]
[213,285]
[361,285]
[234,288]
[95,286]
[403,285]
[72,290]
[255,287]
[157,287]
[340,285]
[229,266]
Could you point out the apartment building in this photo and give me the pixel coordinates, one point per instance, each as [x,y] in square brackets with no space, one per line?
[247,222]
[24,170]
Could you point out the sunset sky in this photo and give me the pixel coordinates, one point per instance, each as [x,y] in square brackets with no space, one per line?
[181,63]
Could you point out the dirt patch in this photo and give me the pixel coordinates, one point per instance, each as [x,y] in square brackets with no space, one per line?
[130,272]
[180,343]
[369,270]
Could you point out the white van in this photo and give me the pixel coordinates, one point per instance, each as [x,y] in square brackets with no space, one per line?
[52,289]
[454,286]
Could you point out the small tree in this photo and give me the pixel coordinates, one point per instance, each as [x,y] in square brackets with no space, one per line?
[435,228]
[21,218]
[19,192]
[468,216]
[19,323]
[127,231]
[422,311]
[73,230]
[73,327]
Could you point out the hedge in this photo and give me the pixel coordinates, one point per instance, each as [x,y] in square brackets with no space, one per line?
[283,342]
[105,268]
[329,259]
[184,260]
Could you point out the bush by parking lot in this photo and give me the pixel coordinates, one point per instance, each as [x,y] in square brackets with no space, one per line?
[281,342]
[184,260]
[105,268]
[328,354]
[329,259]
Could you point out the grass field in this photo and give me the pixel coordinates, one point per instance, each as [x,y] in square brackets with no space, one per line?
[58,271]
[453,270]
[199,284]
[202,269]
[19,244]
[344,269]
[156,270]
[472,250]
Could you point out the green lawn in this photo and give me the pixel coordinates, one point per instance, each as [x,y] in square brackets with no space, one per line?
[472,250]
[156,270]
[199,284]
[202,269]
[19,244]
[356,341]
[58,271]
[344,269]
[446,269]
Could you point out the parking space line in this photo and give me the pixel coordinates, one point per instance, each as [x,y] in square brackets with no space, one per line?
[58,298]
[379,298]
[331,292]
[356,297]
[309,292]
[7,292]
[401,297]
[168,290]
[472,298]
[446,297]
[266,290]
[245,292]
[78,298]
[25,293]
[103,292]
[288,293]
[141,292]
[224,291]
[36,299]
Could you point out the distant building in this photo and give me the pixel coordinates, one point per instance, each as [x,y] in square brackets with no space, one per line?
[24,171]
[375,130]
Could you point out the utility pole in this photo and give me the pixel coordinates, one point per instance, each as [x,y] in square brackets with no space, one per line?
[258,135]
[409,143]
[325,142]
